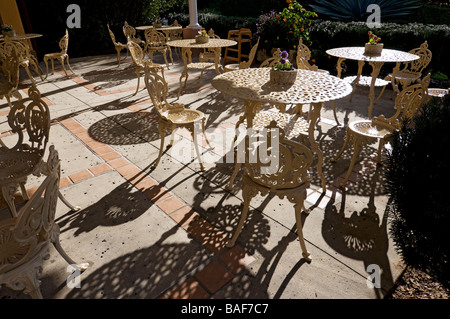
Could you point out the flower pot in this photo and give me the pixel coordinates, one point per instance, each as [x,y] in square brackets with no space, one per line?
[201,39]
[283,76]
[373,49]
[10,34]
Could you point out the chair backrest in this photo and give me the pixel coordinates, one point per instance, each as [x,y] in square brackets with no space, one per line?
[272,60]
[29,120]
[64,43]
[175,23]
[407,104]
[111,34]
[303,57]
[276,162]
[251,57]
[10,68]
[212,35]
[157,89]
[128,31]
[154,38]
[136,53]
[419,65]
[24,236]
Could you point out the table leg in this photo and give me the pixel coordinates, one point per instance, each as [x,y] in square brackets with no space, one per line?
[217,64]
[358,77]
[376,67]
[186,55]
[339,74]
[315,114]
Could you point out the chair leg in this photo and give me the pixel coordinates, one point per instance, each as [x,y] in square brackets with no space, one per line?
[53,66]
[204,133]
[247,198]
[358,143]
[164,53]
[64,200]
[82,266]
[237,167]
[118,56]
[170,55]
[138,74]
[347,139]
[68,64]
[298,218]
[333,104]
[61,60]
[195,140]
[46,68]
[162,133]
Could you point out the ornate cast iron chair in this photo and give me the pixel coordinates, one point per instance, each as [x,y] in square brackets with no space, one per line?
[156,41]
[137,55]
[411,72]
[10,68]
[29,120]
[25,238]
[26,59]
[172,116]
[130,34]
[60,56]
[287,176]
[243,64]
[269,62]
[366,132]
[304,56]
[117,45]
[208,54]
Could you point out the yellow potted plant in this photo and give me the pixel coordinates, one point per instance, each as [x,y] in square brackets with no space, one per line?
[283,72]
[373,47]
[202,37]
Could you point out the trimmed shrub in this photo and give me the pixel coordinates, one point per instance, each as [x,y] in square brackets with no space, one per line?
[417,176]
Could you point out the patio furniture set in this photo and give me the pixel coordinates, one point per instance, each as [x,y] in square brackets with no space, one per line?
[32,227]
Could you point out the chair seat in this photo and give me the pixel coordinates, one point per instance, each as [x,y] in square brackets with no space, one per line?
[406,76]
[369,129]
[292,124]
[366,81]
[184,117]
[200,65]
[231,67]
[437,92]
[13,167]
[54,55]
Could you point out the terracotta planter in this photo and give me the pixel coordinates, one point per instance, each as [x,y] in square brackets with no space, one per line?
[283,76]
[373,49]
[201,39]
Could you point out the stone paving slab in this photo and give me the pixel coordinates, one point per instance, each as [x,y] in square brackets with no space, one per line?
[161,233]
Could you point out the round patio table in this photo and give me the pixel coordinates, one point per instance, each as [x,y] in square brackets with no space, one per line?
[310,87]
[376,62]
[187,45]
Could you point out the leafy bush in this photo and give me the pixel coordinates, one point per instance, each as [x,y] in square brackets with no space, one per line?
[430,14]
[284,29]
[219,23]
[417,175]
[343,10]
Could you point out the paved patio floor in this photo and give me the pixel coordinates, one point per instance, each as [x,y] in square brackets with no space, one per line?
[161,233]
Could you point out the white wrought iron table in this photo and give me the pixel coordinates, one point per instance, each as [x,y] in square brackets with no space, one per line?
[311,87]
[187,45]
[376,62]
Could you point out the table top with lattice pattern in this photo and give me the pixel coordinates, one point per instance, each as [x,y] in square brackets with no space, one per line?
[357,53]
[254,84]
[22,36]
[212,43]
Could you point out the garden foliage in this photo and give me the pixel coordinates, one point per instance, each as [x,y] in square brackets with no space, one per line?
[417,176]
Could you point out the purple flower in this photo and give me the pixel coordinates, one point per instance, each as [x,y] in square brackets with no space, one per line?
[284,55]
[283,60]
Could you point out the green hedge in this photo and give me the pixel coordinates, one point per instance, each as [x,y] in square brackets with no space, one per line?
[219,23]
[328,34]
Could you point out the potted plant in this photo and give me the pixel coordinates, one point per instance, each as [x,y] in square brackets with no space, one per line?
[8,30]
[283,72]
[202,37]
[373,47]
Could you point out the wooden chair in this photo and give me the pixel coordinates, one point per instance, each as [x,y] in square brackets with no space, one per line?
[130,34]
[172,116]
[156,41]
[243,64]
[285,175]
[26,59]
[61,56]
[304,56]
[25,238]
[366,132]
[241,36]
[10,68]
[137,55]
[117,45]
[411,72]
